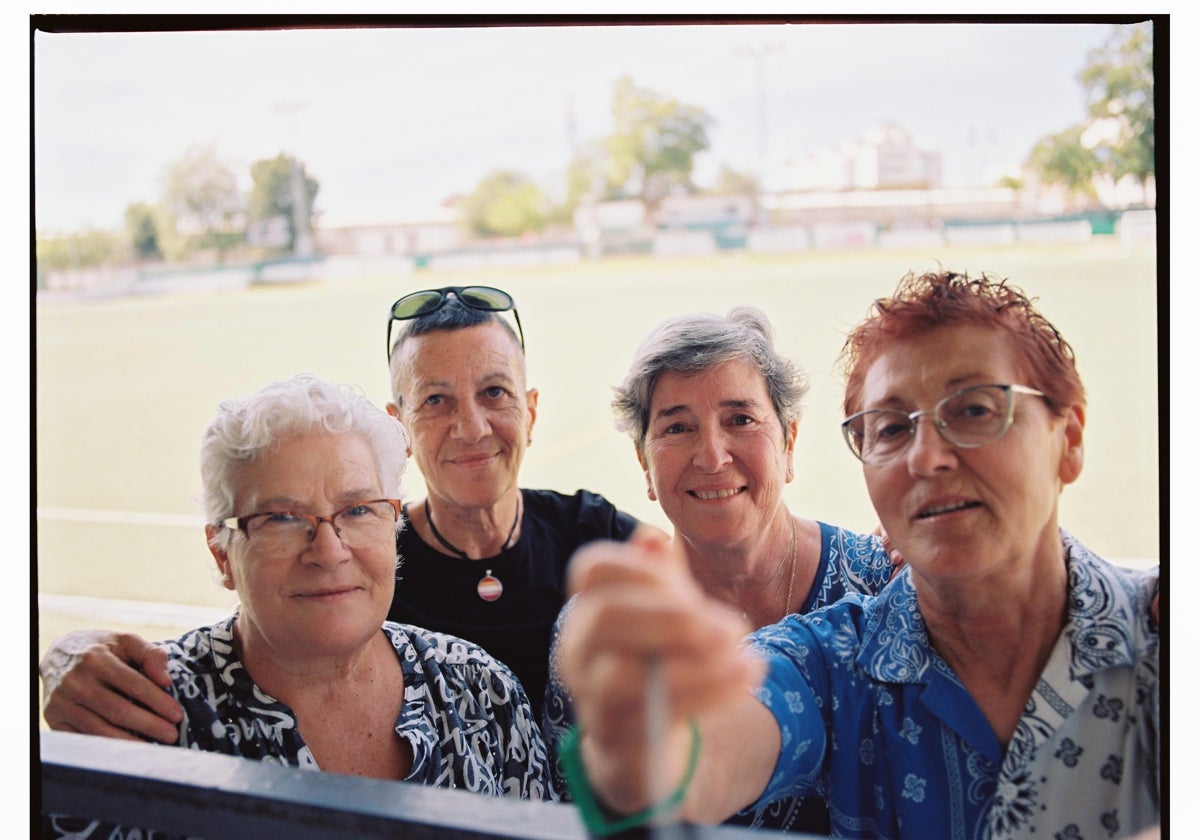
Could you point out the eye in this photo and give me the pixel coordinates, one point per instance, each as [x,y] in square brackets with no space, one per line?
[884,426]
[280,518]
[494,392]
[676,428]
[435,399]
[357,510]
[742,420]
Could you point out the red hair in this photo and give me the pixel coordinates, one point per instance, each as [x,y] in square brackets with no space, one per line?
[924,302]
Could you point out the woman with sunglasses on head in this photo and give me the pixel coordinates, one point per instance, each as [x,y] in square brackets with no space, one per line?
[308,672]
[482,558]
[1004,684]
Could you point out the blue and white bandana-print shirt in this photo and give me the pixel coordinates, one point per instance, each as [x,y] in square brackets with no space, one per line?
[465,715]
[874,720]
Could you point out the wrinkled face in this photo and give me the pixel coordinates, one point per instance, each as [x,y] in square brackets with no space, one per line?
[961,513]
[469,413]
[324,599]
[715,456]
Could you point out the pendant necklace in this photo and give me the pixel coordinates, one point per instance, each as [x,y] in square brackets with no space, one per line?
[489,587]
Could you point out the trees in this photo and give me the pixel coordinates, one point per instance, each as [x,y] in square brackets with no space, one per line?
[202,203]
[654,143]
[1118,142]
[141,227]
[283,193]
[505,203]
[1062,159]
[1118,81]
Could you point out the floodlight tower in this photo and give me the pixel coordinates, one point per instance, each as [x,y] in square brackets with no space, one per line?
[759,53]
[302,244]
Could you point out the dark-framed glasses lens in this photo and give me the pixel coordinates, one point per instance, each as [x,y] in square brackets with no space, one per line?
[486,298]
[418,303]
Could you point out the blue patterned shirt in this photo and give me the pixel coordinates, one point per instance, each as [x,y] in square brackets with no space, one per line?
[465,716]
[876,722]
[849,562]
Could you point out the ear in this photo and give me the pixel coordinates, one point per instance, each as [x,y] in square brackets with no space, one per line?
[789,448]
[646,471]
[394,410]
[221,556]
[1070,464]
[531,399]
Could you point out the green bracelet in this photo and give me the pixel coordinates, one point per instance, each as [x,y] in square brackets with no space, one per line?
[590,809]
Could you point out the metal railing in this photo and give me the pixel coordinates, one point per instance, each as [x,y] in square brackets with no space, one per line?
[186,792]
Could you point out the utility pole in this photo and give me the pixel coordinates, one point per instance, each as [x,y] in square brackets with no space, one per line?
[302,241]
[759,54]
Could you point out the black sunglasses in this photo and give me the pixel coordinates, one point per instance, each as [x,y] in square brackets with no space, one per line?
[483,298]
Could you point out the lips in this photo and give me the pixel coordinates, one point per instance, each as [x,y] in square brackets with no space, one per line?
[473,459]
[328,593]
[943,509]
[710,495]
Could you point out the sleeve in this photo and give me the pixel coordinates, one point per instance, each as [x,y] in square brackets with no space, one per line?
[599,519]
[557,714]
[796,691]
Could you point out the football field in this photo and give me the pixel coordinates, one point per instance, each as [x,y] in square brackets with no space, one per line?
[125,387]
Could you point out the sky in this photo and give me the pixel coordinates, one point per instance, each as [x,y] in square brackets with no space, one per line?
[392,122]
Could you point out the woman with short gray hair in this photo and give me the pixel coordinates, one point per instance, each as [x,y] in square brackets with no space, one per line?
[713,409]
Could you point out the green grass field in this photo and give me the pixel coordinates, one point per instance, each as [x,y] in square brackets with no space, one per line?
[125,387]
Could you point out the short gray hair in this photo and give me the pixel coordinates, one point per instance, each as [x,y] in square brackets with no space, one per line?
[245,427]
[692,344]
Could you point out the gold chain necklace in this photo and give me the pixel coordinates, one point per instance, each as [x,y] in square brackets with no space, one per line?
[787,604]
[790,556]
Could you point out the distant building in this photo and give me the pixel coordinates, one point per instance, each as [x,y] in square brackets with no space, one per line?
[881,159]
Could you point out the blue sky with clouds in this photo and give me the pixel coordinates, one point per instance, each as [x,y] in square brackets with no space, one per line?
[392,121]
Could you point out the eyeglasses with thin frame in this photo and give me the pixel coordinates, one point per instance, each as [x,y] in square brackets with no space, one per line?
[483,298]
[359,525]
[970,418]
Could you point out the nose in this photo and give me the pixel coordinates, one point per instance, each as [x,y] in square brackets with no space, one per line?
[712,453]
[929,452]
[326,547]
[471,423]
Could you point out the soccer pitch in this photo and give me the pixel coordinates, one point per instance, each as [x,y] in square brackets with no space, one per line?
[125,387]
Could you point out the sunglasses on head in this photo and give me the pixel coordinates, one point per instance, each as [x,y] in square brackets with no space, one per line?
[483,298]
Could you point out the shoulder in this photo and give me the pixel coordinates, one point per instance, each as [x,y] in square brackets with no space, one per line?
[821,627]
[1112,602]
[454,657]
[853,562]
[201,650]
[585,513]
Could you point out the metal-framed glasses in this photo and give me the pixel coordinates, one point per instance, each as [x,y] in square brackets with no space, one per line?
[484,298]
[969,418]
[359,525]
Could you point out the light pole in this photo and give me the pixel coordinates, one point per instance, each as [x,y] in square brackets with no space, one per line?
[302,242]
[759,54]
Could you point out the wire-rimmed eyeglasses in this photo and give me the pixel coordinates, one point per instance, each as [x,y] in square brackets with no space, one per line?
[359,525]
[484,298]
[969,418]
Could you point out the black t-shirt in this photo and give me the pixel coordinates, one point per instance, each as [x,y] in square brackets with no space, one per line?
[440,592]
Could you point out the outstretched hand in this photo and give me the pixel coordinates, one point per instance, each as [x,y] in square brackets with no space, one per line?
[640,617]
[102,683]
